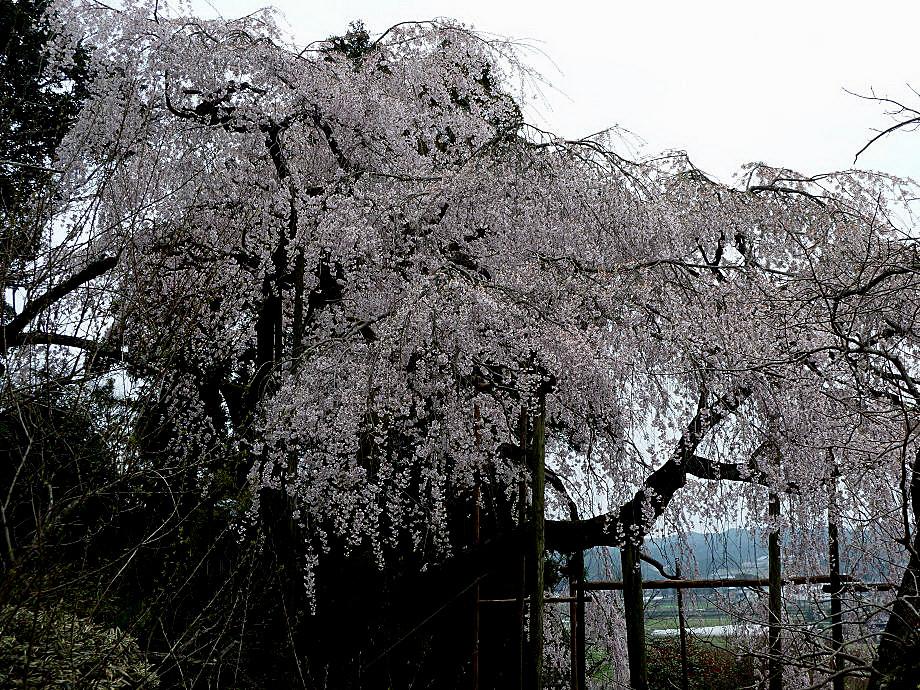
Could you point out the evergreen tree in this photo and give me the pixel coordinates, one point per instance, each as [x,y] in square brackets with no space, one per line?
[38,101]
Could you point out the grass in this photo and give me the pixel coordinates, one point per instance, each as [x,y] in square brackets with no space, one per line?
[664,617]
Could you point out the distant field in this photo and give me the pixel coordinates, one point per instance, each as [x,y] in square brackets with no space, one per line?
[662,615]
[697,620]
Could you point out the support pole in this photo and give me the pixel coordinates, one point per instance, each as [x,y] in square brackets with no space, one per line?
[577,618]
[833,544]
[775,666]
[682,624]
[576,613]
[573,623]
[476,592]
[522,518]
[634,606]
[477,491]
[538,464]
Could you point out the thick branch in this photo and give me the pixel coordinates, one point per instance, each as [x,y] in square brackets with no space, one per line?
[35,306]
[634,519]
[94,348]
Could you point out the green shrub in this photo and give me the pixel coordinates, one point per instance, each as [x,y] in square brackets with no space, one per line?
[708,667]
[53,649]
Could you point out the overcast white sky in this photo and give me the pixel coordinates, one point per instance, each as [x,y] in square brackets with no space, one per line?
[730,81]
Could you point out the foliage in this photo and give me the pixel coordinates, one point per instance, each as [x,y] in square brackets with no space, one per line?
[355,44]
[40,96]
[58,471]
[52,648]
[709,667]
[903,671]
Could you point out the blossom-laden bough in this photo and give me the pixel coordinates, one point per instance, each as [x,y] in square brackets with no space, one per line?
[336,278]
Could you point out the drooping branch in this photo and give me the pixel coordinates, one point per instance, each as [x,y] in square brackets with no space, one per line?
[634,519]
[36,306]
[95,349]
[903,124]
[553,480]
[658,565]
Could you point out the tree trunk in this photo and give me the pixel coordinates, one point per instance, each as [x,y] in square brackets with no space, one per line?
[899,645]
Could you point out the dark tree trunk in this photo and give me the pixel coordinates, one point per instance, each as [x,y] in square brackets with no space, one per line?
[897,663]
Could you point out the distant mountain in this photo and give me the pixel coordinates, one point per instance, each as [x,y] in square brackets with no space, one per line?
[727,554]
[732,553]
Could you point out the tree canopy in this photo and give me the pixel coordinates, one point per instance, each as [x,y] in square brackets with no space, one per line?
[332,281]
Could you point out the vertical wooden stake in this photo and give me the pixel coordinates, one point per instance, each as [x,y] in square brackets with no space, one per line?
[775,666]
[477,490]
[476,593]
[576,614]
[580,648]
[682,624]
[538,463]
[577,669]
[634,606]
[522,519]
[833,544]
[573,623]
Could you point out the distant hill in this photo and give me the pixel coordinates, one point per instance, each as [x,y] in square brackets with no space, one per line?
[732,553]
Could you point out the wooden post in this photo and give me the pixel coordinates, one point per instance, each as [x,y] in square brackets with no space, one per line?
[573,624]
[682,624]
[577,620]
[477,491]
[538,465]
[581,648]
[635,615]
[476,591]
[522,518]
[833,544]
[775,665]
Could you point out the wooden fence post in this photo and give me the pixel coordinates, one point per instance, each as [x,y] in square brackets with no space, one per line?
[577,620]
[477,492]
[538,465]
[682,624]
[634,607]
[775,664]
[581,647]
[523,434]
[833,545]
